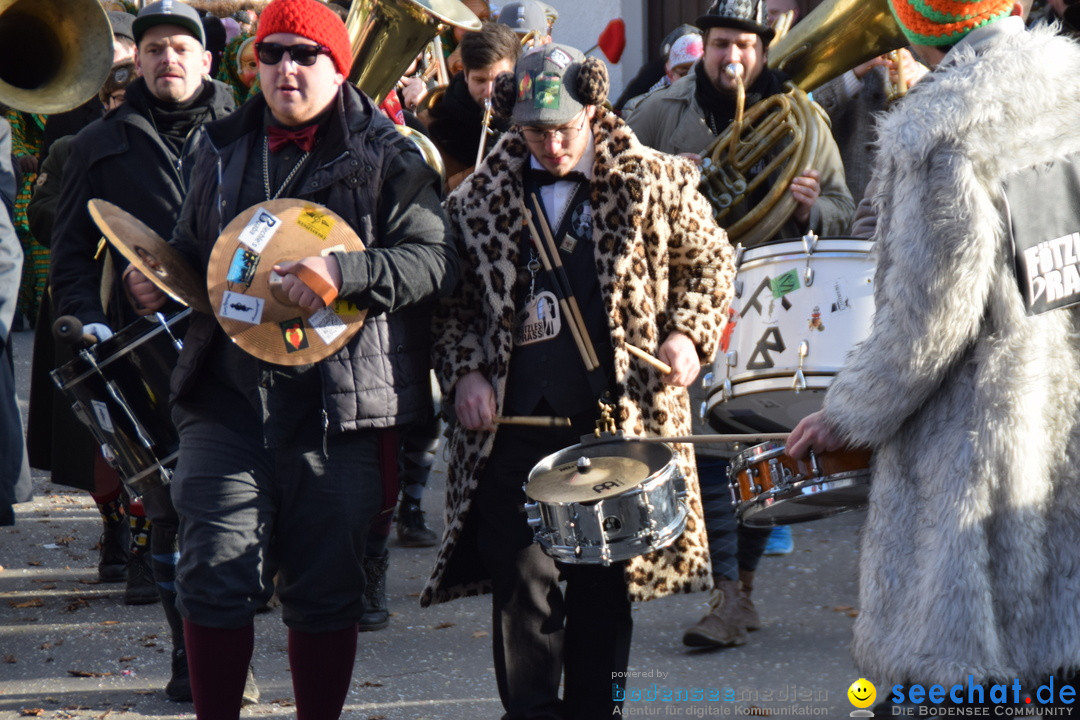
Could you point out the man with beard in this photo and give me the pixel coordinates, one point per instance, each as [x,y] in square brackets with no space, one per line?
[686,117]
[455,121]
[131,158]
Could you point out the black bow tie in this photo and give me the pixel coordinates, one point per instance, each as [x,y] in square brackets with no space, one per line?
[540,177]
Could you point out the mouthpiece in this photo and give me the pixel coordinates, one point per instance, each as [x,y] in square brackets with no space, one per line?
[734,69]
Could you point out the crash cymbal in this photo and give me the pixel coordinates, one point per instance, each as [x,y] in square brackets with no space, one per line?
[246,295]
[152,256]
[586,478]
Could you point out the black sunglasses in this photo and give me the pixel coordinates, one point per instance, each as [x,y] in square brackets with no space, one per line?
[306,55]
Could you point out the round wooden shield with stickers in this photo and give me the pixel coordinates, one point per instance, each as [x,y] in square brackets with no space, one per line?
[246,293]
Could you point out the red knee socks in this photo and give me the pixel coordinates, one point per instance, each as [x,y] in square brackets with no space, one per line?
[322,666]
[218,659]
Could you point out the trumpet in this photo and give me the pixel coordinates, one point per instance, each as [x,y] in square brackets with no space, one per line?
[896,86]
[485,130]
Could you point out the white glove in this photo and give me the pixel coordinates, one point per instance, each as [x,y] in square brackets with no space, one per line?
[99,330]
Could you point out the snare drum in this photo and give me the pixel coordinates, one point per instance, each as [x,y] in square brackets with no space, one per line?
[119,388]
[800,306]
[604,502]
[769,487]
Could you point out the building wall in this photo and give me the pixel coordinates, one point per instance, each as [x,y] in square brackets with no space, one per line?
[581,22]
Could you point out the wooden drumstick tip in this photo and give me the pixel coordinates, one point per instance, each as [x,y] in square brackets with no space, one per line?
[533,420]
[657,363]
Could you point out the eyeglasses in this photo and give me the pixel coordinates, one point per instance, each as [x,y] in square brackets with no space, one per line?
[565,133]
[306,55]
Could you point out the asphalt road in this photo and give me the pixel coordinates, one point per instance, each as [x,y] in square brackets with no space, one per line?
[70,648]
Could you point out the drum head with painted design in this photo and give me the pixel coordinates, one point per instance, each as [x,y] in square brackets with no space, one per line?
[251,310]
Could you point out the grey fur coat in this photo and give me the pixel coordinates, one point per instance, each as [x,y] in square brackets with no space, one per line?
[971,549]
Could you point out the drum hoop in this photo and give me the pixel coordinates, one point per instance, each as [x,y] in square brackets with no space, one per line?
[762,452]
[668,473]
[841,481]
[124,350]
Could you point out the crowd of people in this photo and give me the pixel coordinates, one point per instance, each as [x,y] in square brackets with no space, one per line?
[555,237]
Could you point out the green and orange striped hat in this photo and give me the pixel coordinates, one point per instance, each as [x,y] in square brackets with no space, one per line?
[944,22]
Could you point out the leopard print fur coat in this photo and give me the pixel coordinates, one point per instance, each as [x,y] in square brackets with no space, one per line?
[663,266]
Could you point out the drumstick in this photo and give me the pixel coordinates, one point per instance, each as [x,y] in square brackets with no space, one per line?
[731,438]
[562,300]
[533,420]
[560,273]
[657,363]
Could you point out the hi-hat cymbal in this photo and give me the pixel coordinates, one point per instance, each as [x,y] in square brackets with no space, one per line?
[246,295]
[152,256]
[587,478]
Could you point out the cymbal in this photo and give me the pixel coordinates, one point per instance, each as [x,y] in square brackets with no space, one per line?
[152,256]
[572,481]
[246,294]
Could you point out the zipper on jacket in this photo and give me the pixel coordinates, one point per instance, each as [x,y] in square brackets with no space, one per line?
[325,432]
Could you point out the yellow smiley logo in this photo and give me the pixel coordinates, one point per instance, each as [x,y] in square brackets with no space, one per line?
[862,693]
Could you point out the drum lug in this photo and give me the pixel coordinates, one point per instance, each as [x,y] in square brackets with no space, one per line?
[809,241]
[707,380]
[739,250]
[815,467]
[798,384]
[109,454]
[532,512]
[738,288]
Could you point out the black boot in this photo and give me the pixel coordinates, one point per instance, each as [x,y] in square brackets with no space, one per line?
[179,687]
[141,588]
[113,551]
[376,614]
[412,531]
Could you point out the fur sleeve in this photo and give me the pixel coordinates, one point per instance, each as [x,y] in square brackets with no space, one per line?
[702,268]
[457,347]
[938,246]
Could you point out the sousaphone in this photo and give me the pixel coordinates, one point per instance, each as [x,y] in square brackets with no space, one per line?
[54,54]
[780,131]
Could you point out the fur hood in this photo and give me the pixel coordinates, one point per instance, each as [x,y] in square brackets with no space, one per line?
[971,548]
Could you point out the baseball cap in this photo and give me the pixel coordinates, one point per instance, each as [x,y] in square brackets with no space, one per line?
[121,23]
[554,83]
[524,17]
[169,12]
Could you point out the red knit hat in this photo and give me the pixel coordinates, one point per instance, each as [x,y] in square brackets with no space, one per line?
[944,22]
[313,20]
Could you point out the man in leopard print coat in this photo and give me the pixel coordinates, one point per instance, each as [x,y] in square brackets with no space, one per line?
[649,267]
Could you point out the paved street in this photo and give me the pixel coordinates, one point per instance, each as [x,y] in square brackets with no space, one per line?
[70,648]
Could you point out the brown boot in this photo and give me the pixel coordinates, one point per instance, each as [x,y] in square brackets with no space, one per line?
[748,614]
[721,627]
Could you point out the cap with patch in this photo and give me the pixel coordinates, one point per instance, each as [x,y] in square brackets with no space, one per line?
[524,17]
[169,12]
[554,83]
[119,78]
[945,22]
[121,23]
[748,15]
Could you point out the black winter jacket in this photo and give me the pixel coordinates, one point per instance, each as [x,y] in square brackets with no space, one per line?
[380,184]
[122,159]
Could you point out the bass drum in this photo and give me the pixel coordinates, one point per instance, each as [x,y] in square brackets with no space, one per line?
[800,307]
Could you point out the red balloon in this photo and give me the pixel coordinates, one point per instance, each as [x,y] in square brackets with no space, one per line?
[612,40]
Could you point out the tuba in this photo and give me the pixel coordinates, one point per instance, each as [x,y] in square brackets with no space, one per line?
[387,35]
[54,54]
[836,36]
